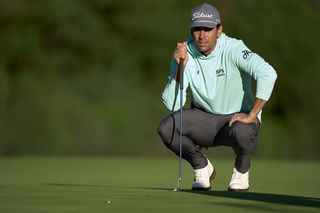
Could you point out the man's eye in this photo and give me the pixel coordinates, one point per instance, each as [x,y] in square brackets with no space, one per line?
[197,29]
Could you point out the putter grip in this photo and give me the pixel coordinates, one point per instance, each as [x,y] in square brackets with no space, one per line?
[181,72]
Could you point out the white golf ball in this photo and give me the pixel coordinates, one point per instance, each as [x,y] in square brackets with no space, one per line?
[108,201]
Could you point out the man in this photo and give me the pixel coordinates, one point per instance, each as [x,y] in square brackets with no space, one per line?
[219,71]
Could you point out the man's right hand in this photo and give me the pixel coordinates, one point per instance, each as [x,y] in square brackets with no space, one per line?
[181,52]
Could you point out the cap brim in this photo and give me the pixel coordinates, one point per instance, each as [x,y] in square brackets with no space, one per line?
[203,24]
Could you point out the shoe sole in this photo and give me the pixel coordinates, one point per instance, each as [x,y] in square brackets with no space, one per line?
[238,190]
[213,175]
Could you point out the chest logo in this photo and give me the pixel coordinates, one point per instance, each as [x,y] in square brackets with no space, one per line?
[220,72]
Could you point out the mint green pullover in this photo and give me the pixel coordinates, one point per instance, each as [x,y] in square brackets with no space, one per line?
[221,83]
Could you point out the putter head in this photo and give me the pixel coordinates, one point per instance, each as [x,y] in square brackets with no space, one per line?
[177,189]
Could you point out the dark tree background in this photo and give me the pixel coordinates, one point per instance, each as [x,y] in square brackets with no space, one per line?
[86,77]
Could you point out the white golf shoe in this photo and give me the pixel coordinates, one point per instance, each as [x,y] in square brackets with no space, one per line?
[203,177]
[239,182]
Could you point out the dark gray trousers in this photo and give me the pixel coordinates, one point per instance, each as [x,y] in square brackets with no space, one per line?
[209,130]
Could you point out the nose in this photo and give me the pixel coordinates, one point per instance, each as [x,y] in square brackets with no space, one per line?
[202,34]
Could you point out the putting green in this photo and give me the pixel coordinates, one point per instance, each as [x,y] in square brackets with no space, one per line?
[138,184]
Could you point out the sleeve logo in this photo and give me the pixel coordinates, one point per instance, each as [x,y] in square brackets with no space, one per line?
[246,54]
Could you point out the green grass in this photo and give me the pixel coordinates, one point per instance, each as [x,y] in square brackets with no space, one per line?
[137,184]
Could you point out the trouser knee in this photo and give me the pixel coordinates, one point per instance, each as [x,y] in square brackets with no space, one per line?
[166,130]
[245,138]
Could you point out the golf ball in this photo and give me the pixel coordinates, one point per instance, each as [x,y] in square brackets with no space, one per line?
[108,201]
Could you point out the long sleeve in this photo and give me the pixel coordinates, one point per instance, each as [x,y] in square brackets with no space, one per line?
[171,93]
[252,64]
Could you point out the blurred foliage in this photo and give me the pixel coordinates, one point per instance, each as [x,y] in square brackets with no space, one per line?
[86,77]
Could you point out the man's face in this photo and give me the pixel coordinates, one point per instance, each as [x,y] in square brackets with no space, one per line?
[206,38]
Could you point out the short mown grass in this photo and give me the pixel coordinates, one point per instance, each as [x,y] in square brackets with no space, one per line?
[144,184]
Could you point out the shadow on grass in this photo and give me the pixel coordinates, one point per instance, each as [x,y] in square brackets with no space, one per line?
[291,200]
[264,197]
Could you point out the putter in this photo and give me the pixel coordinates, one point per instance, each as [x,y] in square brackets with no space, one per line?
[177,189]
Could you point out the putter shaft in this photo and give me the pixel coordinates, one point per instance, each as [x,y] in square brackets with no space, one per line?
[181,126]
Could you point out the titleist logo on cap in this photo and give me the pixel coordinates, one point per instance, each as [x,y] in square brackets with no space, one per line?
[201,15]
[204,15]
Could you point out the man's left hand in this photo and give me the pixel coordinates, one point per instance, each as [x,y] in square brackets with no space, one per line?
[243,118]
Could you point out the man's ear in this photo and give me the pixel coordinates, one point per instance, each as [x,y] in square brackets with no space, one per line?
[220,28]
[191,32]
